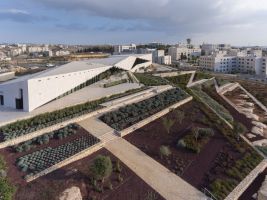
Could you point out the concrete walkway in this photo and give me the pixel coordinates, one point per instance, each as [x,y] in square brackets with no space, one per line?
[167,184]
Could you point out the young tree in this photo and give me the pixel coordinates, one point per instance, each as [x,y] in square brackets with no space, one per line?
[195,132]
[101,167]
[167,123]
[239,129]
[179,116]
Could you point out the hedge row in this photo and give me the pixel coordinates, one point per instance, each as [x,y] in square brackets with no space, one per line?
[131,114]
[45,139]
[150,80]
[40,160]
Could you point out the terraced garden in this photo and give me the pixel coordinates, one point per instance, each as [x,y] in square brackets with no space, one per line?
[218,108]
[181,80]
[131,114]
[196,145]
[120,182]
[40,160]
[150,80]
[36,123]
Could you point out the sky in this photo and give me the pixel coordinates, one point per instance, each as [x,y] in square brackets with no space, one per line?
[237,22]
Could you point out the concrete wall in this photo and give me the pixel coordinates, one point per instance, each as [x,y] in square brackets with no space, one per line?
[45,89]
[7,76]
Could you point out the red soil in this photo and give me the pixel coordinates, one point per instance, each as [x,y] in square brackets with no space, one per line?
[194,168]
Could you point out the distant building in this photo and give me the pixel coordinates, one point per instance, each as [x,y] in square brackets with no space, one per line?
[62,53]
[248,61]
[158,56]
[124,49]
[180,52]
[38,49]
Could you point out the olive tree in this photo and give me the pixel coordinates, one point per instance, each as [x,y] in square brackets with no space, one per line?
[101,167]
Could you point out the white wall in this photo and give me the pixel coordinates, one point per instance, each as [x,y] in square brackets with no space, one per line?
[43,90]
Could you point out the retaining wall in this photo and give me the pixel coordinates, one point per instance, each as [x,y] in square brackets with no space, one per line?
[240,189]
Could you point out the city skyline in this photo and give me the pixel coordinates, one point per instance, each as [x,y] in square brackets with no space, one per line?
[104,22]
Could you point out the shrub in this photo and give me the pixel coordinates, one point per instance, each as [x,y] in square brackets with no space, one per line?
[101,167]
[179,116]
[167,123]
[6,190]
[164,151]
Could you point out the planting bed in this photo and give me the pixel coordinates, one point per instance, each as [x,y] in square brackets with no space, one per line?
[12,157]
[125,183]
[208,168]
[36,123]
[218,108]
[150,80]
[202,75]
[181,80]
[131,114]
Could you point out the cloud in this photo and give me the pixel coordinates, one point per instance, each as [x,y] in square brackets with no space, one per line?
[15,15]
[177,16]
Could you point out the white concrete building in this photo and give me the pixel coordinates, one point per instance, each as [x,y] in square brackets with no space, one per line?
[38,49]
[218,63]
[124,49]
[62,53]
[30,92]
[179,52]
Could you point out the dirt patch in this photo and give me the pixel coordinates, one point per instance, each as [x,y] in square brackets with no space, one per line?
[193,168]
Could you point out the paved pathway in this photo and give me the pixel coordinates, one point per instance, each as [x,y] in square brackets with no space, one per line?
[169,185]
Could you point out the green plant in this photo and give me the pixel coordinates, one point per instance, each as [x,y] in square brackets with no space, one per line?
[164,151]
[101,167]
[120,179]
[118,167]
[167,123]
[179,116]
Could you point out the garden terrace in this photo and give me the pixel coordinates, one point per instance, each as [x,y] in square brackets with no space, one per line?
[222,152]
[45,139]
[126,116]
[218,108]
[181,80]
[258,90]
[11,155]
[150,80]
[40,160]
[201,75]
[221,81]
[38,122]
[122,184]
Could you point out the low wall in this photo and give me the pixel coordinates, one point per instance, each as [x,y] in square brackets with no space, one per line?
[240,189]
[153,117]
[69,160]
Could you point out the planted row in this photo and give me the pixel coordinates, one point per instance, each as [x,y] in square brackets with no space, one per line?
[150,80]
[131,114]
[44,139]
[40,160]
[219,109]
